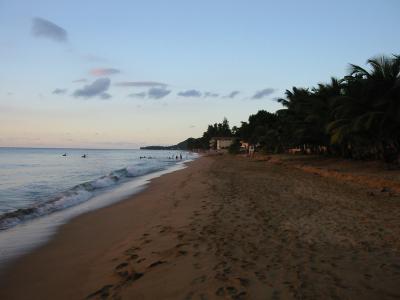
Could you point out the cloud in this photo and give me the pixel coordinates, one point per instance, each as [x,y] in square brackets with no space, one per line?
[80,80]
[97,87]
[104,71]
[137,95]
[210,95]
[190,93]
[141,84]
[232,94]
[263,93]
[46,29]
[105,96]
[157,93]
[59,91]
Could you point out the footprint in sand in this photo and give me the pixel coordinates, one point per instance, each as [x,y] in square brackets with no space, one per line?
[231,291]
[103,292]
[156,263]
[133,256]
[182,253]
[180,245]
[121,265]
[196,265]
[131,250]
[244,281]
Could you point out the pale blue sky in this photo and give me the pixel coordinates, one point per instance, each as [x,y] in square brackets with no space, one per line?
[196,46]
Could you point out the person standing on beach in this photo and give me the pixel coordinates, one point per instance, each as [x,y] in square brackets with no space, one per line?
[251,151]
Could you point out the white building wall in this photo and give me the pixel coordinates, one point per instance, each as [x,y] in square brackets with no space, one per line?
[223,144]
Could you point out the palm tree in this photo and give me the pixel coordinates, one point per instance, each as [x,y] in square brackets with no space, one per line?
[368,111]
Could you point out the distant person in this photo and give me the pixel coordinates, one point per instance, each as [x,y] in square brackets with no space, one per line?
[251,151]
[65,154]
[176,157]
[180,155]
[84,156]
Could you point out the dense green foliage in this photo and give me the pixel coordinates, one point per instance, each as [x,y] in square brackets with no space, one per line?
[357,116]
[234,148]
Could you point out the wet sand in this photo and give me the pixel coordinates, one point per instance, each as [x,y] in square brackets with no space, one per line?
[224,228]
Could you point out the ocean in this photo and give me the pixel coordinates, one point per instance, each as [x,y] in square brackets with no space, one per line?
[40,189]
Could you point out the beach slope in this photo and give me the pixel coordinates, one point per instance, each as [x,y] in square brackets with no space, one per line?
[224,228]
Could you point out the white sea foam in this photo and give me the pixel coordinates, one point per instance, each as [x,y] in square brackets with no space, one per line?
[81,192]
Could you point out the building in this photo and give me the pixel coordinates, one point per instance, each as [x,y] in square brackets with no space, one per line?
[220,143]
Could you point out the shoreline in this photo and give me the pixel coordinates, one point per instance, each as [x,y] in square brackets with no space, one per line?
[70,231]
[224,227]
[32,234]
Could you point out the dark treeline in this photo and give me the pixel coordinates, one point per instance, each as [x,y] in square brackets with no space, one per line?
[357,116]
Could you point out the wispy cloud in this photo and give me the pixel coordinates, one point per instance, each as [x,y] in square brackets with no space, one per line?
[46,29]
[157,93]
[105,96]
[80,80]
[59,91]
[104,71]
[141,84]
[232,94]
[137,95]
[263,93]
[210,95]
[96,88]
[190,93]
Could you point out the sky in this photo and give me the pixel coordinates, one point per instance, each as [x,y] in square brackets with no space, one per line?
[124,74]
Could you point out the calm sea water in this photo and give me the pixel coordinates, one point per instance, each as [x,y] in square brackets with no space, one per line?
[36,182]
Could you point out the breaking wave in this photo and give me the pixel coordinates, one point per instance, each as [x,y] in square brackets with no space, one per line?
[79,193]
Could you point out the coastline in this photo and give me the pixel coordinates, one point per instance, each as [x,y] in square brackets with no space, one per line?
[27,236]
[224,227]
[57,248]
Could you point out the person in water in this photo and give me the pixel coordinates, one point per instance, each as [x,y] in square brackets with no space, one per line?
[180,155]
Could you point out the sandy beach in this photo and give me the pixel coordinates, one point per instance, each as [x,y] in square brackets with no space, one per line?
[225,228]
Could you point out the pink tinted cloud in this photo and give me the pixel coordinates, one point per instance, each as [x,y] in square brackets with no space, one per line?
[104,71]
